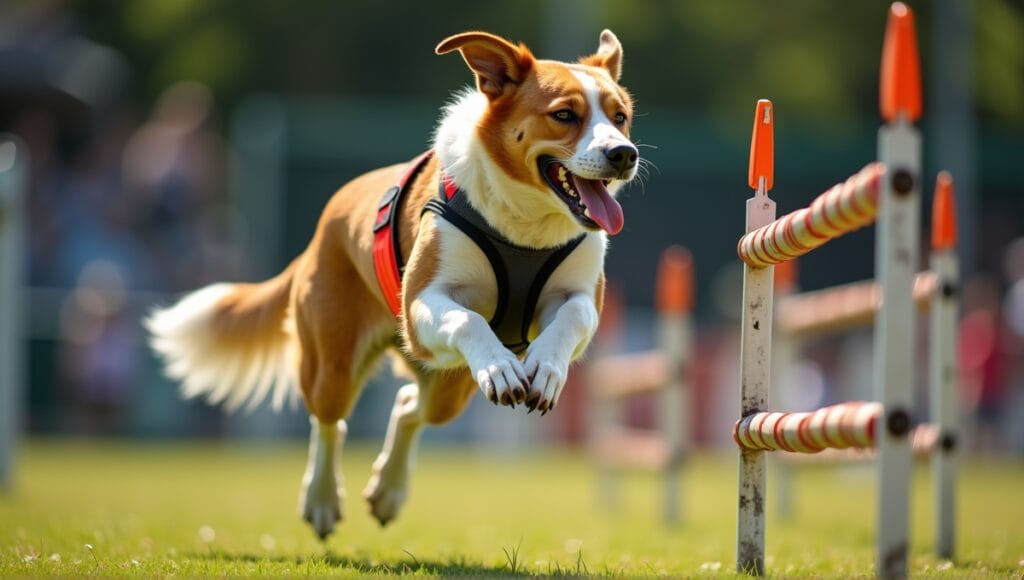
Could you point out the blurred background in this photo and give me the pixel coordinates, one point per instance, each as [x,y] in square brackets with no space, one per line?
[174,143]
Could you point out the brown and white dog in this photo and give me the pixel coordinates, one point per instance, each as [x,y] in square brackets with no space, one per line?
[538,150]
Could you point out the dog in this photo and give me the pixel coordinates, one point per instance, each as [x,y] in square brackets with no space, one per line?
[530,159]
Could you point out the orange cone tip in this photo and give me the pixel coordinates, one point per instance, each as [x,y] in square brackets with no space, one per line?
[675,281]
[900,82]
[943,214]
[762,146]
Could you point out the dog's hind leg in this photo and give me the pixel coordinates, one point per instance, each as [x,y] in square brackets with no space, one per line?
[335,387]
[436,398]
[333,367]
[320,499]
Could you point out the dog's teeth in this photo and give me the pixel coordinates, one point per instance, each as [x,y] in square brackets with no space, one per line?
[561,173]
[569,189]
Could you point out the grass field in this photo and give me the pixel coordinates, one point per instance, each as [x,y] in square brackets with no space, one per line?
[230,509]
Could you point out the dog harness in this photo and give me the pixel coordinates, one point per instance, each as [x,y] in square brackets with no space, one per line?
[520,272]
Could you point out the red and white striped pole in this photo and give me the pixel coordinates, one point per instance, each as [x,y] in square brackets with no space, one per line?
[756,345]
[896,255]
[852,425]
[842,209]
[837,427]
[942,360]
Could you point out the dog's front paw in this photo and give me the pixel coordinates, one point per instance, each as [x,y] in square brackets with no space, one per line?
[502,378]
[386,490]
[547,378]
[320,505]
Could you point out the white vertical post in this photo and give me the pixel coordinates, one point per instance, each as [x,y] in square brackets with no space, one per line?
[943,366]
[755,359]
[675,339]
[896,256]
[13,175]
[943,398]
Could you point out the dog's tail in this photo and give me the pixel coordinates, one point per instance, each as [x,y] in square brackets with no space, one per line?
[231,343]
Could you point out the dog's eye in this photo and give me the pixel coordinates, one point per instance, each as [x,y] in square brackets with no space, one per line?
[620,118]
[564,116]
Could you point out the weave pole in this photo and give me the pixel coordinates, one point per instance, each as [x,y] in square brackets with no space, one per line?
[756,345]
[663,372]
[674,302]
[13,178]
[942,361]
[896,251]
[768,241]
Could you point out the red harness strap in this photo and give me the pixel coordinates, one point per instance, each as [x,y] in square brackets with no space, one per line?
[387,253]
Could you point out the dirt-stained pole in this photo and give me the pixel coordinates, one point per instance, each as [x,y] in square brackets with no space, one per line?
[756,346]
[896,254]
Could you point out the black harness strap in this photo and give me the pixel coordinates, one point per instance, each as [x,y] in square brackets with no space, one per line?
[479,238]
[541,278]
[519,272]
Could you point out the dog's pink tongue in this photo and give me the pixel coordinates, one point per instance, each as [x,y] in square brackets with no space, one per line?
[601,206]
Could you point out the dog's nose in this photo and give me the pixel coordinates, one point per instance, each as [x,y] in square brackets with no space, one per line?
[622,157]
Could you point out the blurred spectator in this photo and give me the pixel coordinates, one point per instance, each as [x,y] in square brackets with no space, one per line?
[1013,316]
[101,349]
[88,214]
[174,181]
[114,207]
[982,359]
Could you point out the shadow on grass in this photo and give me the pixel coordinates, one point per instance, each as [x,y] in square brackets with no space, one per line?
[457,566]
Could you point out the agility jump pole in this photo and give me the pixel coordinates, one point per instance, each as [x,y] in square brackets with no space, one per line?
[888,191]
[851,425]
[800,317]
[942,362]
[664,371]
[842,209]
[841,308]
[13,181]
[937,440]
[755,344]
[896,252]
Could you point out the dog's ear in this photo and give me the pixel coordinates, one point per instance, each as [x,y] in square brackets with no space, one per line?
[496,62]
[608,55]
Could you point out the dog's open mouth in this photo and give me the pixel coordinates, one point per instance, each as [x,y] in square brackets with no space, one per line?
[587,199]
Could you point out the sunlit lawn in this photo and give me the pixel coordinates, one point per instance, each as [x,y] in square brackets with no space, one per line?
[230,509]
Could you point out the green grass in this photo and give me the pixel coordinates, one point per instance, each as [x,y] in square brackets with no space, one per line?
[230,509]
